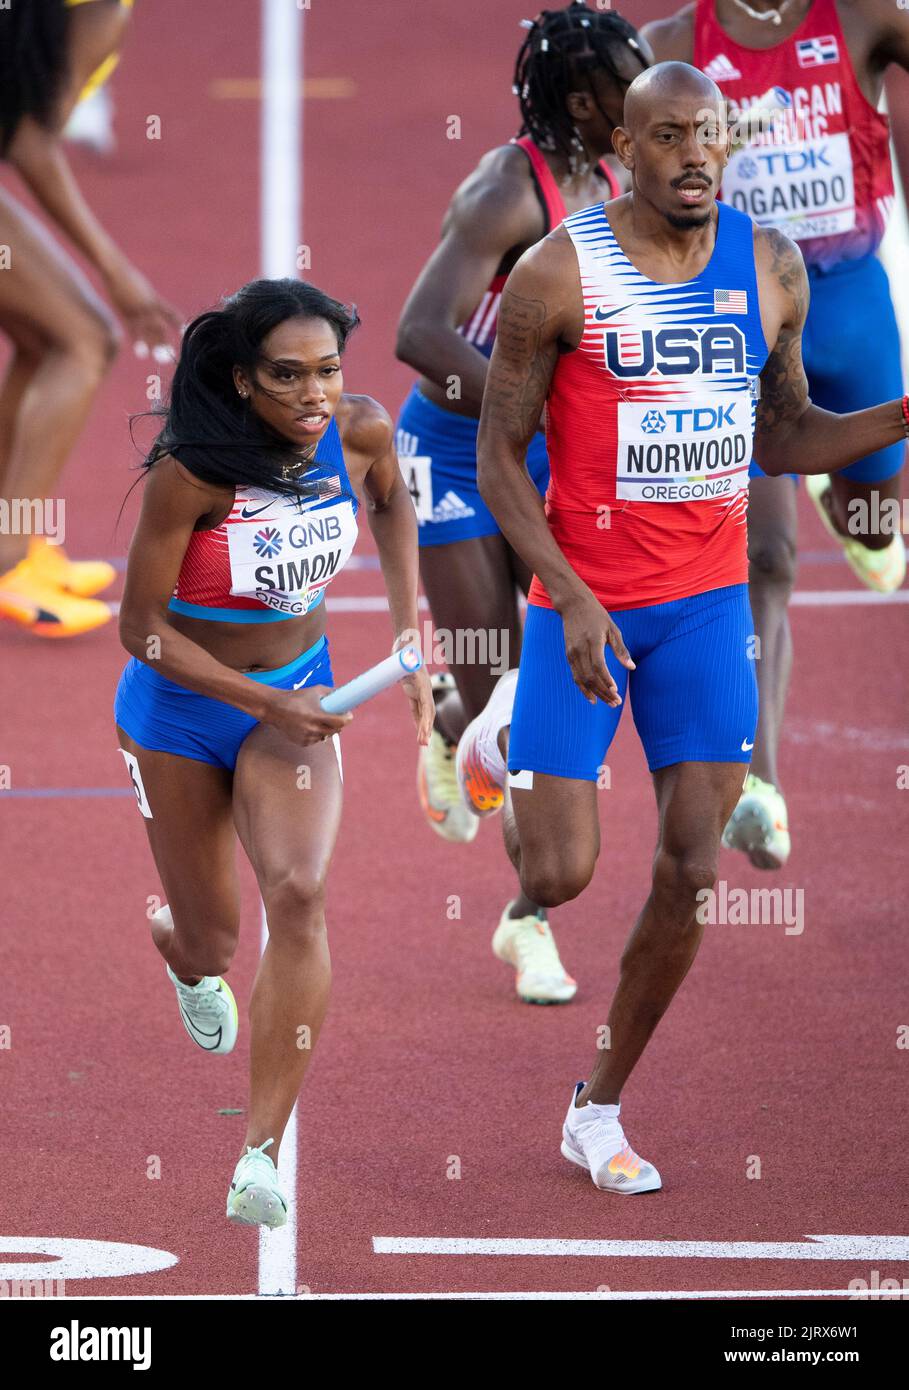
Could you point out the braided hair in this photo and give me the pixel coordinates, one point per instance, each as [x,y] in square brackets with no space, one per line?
[33,62]
[562,51]
[206,425]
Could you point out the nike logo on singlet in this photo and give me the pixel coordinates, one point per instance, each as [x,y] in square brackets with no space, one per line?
[247,513]
[611,315]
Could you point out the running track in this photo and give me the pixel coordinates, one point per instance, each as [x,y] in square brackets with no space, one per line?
[780,1046]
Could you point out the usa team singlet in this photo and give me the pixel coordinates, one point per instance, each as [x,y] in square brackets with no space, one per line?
[650,421]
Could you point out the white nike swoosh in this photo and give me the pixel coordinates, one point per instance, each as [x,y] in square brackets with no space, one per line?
[303,681]
[746,746]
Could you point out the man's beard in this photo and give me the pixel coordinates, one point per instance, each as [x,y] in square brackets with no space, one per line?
[683,223]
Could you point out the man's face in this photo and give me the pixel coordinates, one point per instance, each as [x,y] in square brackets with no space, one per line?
[678,151]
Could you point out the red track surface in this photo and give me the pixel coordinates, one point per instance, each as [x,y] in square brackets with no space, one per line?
[778,1046]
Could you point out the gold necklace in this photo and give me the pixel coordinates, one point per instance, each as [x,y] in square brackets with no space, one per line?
[775,15]
[290,470]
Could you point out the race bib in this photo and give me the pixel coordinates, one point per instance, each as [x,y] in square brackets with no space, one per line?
[693,450]
[417,473]
[805,189]
[285,554]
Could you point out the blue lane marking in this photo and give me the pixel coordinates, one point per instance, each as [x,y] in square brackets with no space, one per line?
[69,791]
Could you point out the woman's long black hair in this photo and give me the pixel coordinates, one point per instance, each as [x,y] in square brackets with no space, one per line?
[213,432]
[33,62]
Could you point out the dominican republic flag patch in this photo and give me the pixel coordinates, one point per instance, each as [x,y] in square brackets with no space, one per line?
[814,53]
[730,301]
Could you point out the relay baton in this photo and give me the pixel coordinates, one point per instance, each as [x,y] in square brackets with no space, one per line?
[371,682]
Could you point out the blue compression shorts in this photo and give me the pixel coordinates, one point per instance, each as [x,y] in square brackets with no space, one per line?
[693,694]
[851,351]
[438,455]
[162,715]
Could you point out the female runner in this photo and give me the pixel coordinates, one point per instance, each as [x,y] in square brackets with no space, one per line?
[63,335]
[248,512]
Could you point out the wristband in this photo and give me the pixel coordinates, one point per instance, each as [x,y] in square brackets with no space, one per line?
[904,403]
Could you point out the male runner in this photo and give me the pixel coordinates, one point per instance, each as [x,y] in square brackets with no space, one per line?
[662,330]
[822,176]
[570,78]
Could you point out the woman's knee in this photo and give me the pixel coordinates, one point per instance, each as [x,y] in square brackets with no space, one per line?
[295,901]
[92,344]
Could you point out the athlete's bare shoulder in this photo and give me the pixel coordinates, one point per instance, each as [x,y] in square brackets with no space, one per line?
[498,195]
[878,28]
[672,39]
[364,425]
[780,265]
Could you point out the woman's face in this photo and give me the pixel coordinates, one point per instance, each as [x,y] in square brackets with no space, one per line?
[297,390]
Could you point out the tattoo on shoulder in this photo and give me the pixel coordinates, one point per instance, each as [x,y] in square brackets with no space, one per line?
[518,387]
[788,269]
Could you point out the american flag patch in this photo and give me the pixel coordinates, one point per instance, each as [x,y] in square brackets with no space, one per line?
[814,53]
[730,301]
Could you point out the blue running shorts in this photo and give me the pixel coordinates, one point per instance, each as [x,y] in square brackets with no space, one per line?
[160,714]
[437,451]
[693,694]
[851,351]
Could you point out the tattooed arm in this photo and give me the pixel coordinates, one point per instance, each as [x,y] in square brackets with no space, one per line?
[541,305]
[791,434]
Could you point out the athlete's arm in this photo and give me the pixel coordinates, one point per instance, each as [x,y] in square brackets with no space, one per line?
[172,503]
[891,20]
[672,40]
[493,211]
[37,152]
[369,434]
[541,304]
[791,434]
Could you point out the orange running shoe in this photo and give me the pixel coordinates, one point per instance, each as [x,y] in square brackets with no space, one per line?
[52,566]
[46,611]
[480,765]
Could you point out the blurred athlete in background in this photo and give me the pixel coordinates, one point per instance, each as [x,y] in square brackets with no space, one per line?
[571,75]
[91,122]
[822,176]
[64,337]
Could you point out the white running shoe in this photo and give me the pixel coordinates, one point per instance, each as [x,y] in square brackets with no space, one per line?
[528,944]
[437,782]
[208,1011]
[759,825]
[254,1198]
[593,1139]
[882,570]
[481,767]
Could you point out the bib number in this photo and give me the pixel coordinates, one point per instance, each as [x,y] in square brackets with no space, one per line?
[132,765]
[417,472]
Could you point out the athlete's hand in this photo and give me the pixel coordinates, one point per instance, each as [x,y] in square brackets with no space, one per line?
[588,631]
[418,690]
[298,714]
[151,321]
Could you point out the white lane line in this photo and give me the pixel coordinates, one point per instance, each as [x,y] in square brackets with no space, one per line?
[280,228]
[811,1248]
[848,598]
[802,598]
[278,1249]
[281,137]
